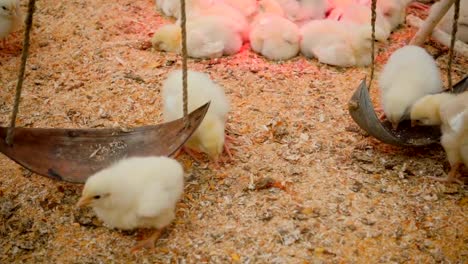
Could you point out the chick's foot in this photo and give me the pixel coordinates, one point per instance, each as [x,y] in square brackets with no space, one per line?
[192,153]
[149,242]
[228,140]
[452,176]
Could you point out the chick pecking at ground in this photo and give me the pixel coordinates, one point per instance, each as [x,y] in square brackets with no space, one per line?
[409,74]
[209,137]
[11,18]
[426,110]
[338,43]
[138,192]
[207,37]
[275,37]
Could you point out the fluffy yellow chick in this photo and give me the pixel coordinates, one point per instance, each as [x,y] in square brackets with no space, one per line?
[426,111]
[10,18]
[207,37]
[210,135]
[167,38]
[220,9]
[275,37]
[302,11]
[454,115]
[138,192]
[172,7]
[451,112]
[409,74]
[338,43]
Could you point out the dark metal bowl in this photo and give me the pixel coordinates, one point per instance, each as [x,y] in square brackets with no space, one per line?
[362,111]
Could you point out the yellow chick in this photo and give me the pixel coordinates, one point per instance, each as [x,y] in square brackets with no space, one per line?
[426,111]
[338,43]
[275,37]
[451,112]
[167,38]
[138,192]
[207,37]
[409,74]
[10,18]
[210,135]
[454,115]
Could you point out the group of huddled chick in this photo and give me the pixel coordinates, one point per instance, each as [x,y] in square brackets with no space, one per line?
[336,32]
[411,88]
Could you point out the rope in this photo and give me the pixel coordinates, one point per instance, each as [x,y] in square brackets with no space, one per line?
[452,42]
[19,84]
[184,60]
[374,16]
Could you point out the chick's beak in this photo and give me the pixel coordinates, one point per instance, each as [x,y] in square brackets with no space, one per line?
[84,201]
[394,125]
[413,123]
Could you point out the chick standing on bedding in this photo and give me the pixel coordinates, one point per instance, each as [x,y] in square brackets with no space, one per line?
[275,37]
[454,139]
[451,111]
[207,37]
[138,192]
[338,43]
[409,74]
[210,135]
[10,18]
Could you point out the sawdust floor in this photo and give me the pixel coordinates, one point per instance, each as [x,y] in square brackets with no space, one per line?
[305,186]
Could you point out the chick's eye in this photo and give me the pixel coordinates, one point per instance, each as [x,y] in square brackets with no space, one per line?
[96,197]
[4,8]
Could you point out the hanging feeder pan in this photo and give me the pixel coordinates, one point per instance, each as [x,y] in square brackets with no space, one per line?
[75,154]
[362,111]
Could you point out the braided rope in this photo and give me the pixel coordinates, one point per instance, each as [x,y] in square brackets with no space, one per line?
[452,42]
[19,84]
[184,59]
[374,16]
